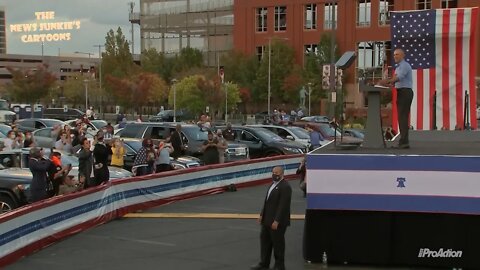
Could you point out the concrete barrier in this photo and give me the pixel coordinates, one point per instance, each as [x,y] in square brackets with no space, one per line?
[35,226]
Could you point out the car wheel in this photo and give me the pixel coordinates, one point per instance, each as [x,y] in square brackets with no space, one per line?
[6,204]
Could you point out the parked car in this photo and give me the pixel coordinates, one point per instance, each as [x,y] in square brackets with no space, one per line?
[291,133]
[167,116]
[263,143]
[354,133]
[32,124]
[328,132]
[316,119]
[13,190]
[132,146]
[193,137]
[62,113]
[4,129]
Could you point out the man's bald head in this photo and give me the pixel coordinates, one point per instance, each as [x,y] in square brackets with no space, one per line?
[278,170]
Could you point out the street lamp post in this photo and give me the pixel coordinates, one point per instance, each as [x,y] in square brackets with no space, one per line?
[174,81]
[100,76]
[309,97]
[85,82]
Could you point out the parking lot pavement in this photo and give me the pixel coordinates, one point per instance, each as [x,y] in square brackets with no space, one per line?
[179,243]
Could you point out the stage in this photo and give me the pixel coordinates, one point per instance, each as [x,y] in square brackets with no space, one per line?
[388,206]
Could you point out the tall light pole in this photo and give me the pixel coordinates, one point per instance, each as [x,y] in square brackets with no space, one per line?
[100,75]
[270,70]
[269,73]
[174,82]
[85,82]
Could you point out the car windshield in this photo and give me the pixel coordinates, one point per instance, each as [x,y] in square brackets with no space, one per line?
[300,132]
[195,133]
[135,145]
[52,122]
[99,123]
[329,131]
[267,135]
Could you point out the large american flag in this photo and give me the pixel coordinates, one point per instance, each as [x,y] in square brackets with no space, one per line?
[440,46]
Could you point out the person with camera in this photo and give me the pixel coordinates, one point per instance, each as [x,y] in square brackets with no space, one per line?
[162,162]
[118,152]
[38,165]
[101,152]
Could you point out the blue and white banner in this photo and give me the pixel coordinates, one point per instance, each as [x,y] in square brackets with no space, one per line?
[35,226]
[437,184]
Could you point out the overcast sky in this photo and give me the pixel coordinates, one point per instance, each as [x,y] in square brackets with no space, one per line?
[96,18]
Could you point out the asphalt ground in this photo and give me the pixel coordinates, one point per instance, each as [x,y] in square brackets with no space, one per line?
[216,232]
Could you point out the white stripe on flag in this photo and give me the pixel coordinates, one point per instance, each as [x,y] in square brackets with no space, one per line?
[452,87]
[466,59]
[415,109]
[426,99]
[438,67]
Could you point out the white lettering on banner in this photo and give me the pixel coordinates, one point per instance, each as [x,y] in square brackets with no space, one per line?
[441,253]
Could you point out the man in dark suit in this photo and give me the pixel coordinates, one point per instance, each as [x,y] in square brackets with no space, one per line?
[177,142]
[274,220]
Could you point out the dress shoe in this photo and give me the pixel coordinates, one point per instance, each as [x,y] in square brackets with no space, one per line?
[258,267]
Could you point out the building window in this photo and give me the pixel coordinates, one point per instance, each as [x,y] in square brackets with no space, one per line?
[330,16]
[260,52]
[372,59]
[424,4]
[449,3]
[311,49]
[363,12]
[281,18]
[384,13]
[310,16]
[262,19]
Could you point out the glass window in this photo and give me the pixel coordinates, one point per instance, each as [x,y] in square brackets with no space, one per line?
[424,4]
[262,19]
[363,12]
[330,16]
[449,4]
[310,16]
[311,48]
[280,18]
[372,59]
[260,52]
[384,12]
[132,131]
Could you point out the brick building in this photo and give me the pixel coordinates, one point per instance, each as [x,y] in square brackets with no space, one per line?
[360,25]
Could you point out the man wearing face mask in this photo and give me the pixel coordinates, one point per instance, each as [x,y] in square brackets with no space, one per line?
[274,220]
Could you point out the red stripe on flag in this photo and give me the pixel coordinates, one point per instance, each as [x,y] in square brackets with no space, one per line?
[473,55]
[419,94]
[445,70]
[459,68]
[433,110]
[394,110]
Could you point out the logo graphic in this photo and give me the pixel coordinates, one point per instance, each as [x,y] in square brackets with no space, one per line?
[441,253]
[401,182]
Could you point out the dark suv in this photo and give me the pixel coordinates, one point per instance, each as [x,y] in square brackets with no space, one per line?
[62,114]
[263,143]
[192,135]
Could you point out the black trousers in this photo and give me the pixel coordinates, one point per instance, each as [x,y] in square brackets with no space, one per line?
[404,102]
[272,239]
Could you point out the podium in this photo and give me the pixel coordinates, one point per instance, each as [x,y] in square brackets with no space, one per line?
[373,132]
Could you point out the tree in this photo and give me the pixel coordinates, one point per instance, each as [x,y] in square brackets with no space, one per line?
[187,59]
[240,69]
[282,62]
[31,85]
[74,89]
[156,62]
[117,60]
[138,90]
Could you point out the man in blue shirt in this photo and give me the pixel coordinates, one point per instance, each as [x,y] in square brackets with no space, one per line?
[403,83]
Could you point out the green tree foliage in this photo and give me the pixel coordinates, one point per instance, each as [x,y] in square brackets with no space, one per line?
[74,89]
[138,90]
[117,60]
[240,69]
[156,62]
[282,63]
[187,59]
[30,86]
[197,92]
